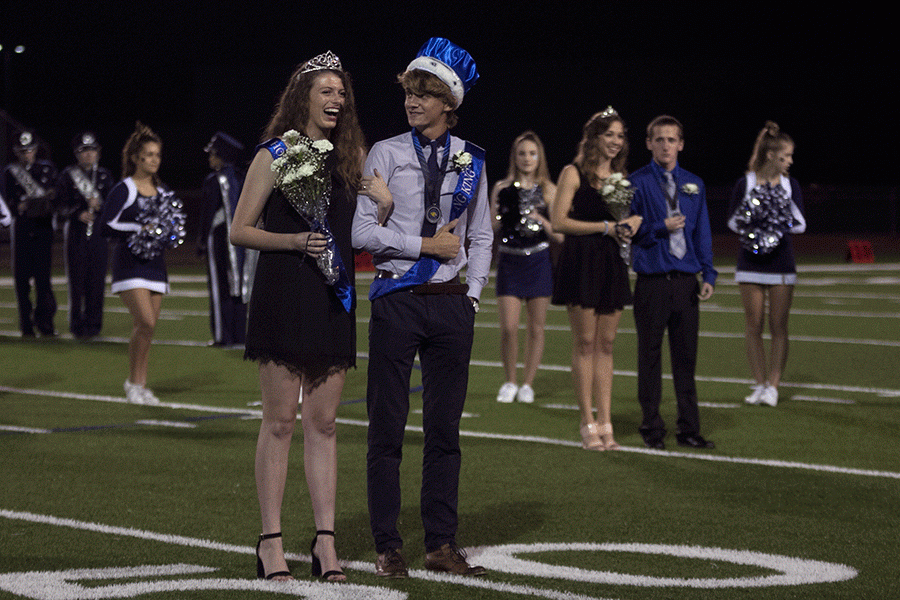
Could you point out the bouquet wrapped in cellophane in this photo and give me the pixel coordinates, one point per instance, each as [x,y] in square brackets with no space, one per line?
[617,193]
[301,176]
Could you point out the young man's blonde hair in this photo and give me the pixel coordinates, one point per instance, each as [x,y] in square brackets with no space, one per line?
[423,83]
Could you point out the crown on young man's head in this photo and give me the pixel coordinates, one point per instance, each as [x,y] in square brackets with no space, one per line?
[327,61]
[449,63]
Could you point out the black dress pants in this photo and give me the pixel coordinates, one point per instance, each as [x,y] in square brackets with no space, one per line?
[667,302]
[31,258]
[87,260]
[440,329]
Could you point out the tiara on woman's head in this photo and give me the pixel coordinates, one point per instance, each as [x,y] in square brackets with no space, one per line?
[609,112]
[327,61]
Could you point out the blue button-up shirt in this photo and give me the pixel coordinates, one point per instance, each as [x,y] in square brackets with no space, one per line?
[650,250]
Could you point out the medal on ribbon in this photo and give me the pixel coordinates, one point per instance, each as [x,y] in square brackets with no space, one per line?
[425,268]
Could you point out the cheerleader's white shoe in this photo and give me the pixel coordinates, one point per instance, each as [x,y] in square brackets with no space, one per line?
[525,394]
[149,397]
[134,392]
[507,392]
[754,397]
[769,395]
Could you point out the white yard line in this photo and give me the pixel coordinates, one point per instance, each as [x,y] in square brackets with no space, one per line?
[487,435]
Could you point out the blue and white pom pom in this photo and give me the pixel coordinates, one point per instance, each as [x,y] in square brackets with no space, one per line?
[163,226]
[763,218]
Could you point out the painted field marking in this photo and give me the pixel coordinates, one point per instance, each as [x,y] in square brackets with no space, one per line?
[819,399]
[790,571]
[176,424]
[507,437]
[57,586]
[61,585]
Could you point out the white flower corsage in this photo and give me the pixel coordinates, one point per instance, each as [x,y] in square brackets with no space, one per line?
[691,189]
[461,160]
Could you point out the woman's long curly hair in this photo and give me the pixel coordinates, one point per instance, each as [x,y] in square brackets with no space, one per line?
[292,112]
[588,156]
[141,135]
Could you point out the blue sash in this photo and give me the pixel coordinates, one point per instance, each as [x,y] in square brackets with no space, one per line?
[425,268]
[343,288]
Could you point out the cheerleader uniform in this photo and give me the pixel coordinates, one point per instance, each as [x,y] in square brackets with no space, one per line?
[119,217]
[524,269]
[776,267]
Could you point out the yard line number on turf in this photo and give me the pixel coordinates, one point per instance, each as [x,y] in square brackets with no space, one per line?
[64,585]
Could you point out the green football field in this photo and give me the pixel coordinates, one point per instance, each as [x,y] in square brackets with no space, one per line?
[102,499]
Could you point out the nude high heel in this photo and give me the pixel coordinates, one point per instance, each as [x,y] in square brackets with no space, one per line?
[606,436]
[590,437]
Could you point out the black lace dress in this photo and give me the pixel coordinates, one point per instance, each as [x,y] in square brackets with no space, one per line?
[590,272]
[295,319]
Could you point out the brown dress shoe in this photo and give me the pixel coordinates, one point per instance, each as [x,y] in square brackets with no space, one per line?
[391,564]
[450,558]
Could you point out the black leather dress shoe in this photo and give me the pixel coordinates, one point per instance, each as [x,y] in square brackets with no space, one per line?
[655,443]
[694,440]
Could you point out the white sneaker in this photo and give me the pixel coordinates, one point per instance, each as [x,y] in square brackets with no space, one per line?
[769,396]
[149,398]
[134,393]
[507,392]
[754,396]
[525,394]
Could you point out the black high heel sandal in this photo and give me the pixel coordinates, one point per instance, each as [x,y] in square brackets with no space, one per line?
[316,563]
[260,569]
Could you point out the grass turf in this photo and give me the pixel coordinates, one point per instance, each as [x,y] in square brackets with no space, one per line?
[93,483]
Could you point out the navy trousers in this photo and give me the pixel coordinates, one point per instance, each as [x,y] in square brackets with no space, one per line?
[440,329]
[87,260]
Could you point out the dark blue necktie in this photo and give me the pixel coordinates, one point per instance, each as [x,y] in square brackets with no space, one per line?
[432,188]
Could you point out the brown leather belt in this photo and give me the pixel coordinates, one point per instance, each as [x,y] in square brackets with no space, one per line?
[454,286]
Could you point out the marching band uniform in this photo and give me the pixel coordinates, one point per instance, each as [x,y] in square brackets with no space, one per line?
[5,215]
[28,190]
[228,279]
[81,190]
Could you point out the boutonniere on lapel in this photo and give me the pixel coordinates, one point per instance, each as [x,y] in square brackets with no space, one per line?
[692,189]
[461,161]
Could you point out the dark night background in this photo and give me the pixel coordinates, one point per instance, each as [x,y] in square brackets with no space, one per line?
[189,69]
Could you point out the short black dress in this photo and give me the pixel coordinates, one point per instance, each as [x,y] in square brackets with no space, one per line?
[590,272]
[295,318]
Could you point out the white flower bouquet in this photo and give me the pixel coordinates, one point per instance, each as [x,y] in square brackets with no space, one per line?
[617,193]
[301,176]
